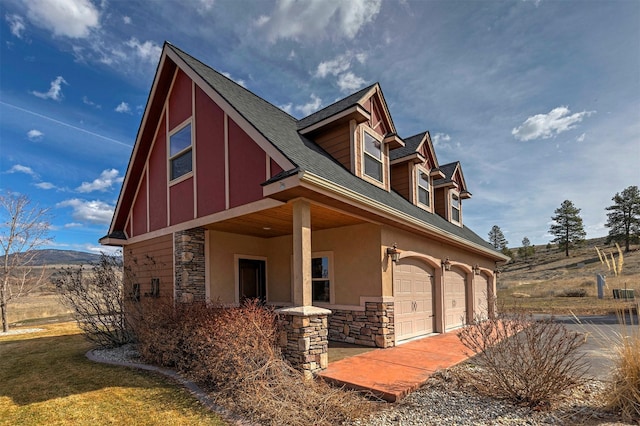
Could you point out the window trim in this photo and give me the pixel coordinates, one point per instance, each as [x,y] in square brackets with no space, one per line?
[189,148]
[421,170]
[330,278]
[452,208]
[363,152]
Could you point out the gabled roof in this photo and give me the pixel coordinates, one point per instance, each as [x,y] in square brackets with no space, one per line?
[334,108]
[410,147]
[450,170]
[281,130]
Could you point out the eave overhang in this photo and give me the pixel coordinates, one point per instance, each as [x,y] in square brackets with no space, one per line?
[355,112]
[436,173]
[307,184]
[393,141]
[416,157]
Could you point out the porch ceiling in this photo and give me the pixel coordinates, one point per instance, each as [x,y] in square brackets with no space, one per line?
[278,221]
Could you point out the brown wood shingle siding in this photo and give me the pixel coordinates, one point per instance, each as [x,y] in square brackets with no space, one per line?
[400,180]
[336,143]
[440,202]
[151,259]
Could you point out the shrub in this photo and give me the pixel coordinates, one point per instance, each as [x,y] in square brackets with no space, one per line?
[623,394]
[523,360]
[573,292]
[96,296]
[234,352]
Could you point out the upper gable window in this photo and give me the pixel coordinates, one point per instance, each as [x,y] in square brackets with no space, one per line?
[373,165]
[424,188]
[180,158]
[455,208]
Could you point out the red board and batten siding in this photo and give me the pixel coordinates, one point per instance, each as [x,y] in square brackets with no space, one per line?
[247,165]
[158,179]
[210,155]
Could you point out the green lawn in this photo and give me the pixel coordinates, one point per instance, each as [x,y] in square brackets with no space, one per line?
[45,379]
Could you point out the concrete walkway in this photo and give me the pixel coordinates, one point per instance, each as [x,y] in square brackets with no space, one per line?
[393,373]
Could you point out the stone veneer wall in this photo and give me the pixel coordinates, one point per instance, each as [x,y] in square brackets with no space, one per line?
[372,327]
[304,341]
[189,265]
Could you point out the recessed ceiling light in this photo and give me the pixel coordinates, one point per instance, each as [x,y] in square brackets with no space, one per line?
[266,228]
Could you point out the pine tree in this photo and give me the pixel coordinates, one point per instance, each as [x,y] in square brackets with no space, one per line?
[624,219]
[527,249]
[496,238]
[567,227]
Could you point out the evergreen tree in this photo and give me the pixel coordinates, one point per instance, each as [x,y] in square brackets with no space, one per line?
[568,228]
[496,238]
[624,217]
[527,249]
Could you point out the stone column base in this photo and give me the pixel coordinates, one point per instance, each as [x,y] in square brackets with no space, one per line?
[304,338]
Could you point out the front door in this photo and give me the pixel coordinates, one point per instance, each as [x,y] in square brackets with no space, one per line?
[252,279]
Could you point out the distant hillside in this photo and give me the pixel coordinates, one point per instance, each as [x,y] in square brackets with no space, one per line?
[64,257]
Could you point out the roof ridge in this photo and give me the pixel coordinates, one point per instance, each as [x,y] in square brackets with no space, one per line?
[232,81]
[364,89]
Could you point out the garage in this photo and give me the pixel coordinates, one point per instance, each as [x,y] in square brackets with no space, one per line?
[413,294]
[455,308]
[481,297]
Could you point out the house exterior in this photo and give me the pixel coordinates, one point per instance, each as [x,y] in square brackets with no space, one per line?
[232,198]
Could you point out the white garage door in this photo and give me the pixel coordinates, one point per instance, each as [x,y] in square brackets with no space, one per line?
[413,292]
[481,297]
[454,299]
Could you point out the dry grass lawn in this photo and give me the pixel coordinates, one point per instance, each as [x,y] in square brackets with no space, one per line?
[47,380]
[538,284]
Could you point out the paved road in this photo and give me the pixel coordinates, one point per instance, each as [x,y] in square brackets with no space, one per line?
[603,335]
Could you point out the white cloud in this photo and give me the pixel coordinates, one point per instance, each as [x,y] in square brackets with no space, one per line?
[45,185]
[440,139]
[126,20]
[84,211]
[103,183]
[72,225]
[239,81]
[581,138]
[123,107]
[339,64]
[69,18]
[205,6]
[16,24]
[89,102]
[35,135]
[314,19]
[55,91]
[544,126]
[18,168]
[147,51]
[310,107]
[288,108]
[350,82]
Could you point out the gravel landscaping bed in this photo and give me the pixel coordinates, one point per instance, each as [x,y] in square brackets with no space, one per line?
[445,401]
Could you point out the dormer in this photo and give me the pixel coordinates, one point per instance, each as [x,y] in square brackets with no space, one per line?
[358,132]
[413,170]
[449,192]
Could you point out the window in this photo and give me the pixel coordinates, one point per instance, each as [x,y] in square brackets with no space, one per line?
[155,287]
[422,178]
[320,279]
[180,152]
[372,157]
[455,208]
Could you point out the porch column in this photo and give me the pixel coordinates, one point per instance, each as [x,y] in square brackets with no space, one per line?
[301,253]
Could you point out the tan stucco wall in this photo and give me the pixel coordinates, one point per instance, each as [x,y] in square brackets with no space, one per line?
[356,257]
[356,261]
[409,242]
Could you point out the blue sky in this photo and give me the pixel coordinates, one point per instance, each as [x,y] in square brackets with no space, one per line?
[539,100]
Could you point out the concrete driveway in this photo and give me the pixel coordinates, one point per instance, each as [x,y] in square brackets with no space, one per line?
[604,333]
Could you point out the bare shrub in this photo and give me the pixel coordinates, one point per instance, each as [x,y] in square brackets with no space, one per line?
[623,393]
[526,361]
[95,294]
[233,351]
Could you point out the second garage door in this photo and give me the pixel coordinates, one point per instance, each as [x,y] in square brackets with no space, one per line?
[455,308]
[481,297]
[413,294]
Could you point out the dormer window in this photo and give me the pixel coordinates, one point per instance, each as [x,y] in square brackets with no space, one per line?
[373,165]
[424,188]
[455,208]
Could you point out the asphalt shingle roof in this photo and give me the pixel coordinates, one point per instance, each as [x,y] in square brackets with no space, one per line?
[281,130]
[333,109]
[410,146]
